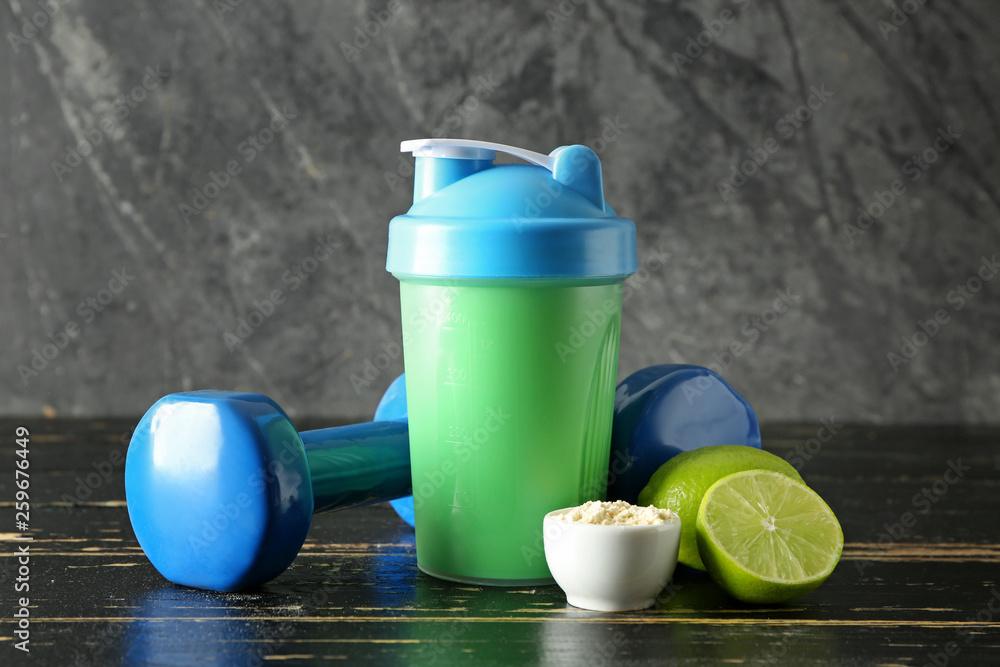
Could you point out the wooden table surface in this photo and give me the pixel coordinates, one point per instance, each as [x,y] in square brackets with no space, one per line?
[917,584]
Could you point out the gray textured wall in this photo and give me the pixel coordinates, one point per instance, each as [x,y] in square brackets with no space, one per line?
[671,121]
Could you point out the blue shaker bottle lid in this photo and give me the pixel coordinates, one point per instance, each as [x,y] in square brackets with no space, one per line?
[473,219]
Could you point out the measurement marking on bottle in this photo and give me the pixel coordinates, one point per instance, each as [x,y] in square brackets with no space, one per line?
[456,376]
[454,320]
[457,435]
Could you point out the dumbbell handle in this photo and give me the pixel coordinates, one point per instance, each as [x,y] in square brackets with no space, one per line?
[358,464]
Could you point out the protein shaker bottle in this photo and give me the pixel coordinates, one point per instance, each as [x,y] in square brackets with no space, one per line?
[510,287]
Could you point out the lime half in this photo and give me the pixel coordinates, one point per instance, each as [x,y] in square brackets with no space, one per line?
[681,483]
[765,537]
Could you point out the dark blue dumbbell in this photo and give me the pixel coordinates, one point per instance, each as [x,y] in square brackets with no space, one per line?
[661,411]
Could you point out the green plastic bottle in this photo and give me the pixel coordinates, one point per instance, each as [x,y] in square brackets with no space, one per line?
[510,288]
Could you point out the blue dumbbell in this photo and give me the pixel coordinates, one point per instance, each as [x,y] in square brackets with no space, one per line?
[221,488]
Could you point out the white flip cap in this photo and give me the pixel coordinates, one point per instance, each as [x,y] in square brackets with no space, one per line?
[469,149]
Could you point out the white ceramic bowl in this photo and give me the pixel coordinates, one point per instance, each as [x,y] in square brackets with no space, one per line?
[610,568]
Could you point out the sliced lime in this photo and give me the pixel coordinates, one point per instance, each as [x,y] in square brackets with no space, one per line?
[765,537]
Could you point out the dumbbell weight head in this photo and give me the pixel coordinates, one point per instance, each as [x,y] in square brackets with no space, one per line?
[218,488]
[221,488]
[661,411]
